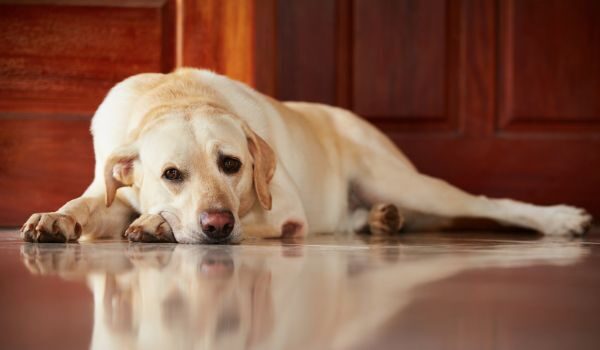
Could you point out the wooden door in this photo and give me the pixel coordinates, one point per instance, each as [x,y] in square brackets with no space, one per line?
[498,97]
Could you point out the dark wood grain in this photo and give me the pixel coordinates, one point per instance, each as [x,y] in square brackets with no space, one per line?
[44,163]
[344,49]
[306,50]
[63,59]
[400,54]
[265,49]
[407,64]
[478,29]
[551,65]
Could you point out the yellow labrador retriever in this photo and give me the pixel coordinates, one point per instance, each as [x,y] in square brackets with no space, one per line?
[205,159]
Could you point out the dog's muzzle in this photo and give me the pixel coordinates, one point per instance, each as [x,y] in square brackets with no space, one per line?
[217,225]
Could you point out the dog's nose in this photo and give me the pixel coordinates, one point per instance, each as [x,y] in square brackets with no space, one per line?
[217,224]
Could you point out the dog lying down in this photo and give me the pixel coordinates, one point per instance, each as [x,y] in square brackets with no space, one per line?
[206,159]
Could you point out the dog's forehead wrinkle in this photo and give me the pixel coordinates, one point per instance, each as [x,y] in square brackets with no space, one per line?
[220,133]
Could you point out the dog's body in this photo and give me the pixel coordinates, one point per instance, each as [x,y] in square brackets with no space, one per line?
[234,162]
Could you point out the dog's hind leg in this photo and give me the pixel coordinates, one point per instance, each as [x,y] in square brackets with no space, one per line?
[388,180]
[381,219]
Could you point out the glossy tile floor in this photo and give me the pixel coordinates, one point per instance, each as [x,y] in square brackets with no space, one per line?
[412,291]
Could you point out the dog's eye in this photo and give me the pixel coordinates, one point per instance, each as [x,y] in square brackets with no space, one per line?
[173,174]
[229,165]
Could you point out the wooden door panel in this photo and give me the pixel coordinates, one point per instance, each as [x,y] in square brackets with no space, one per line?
[58,59]
[550,65]
[65,58]
[306,55]
[45,162]
[400,59]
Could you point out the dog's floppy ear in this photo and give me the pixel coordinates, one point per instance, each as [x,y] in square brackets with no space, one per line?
[264,166]
[118,171]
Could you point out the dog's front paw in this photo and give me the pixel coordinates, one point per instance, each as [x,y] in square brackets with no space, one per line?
[565,220]
[51,228]
[151,228]
[384,219]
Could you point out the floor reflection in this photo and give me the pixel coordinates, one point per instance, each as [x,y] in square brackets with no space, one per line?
[326,293]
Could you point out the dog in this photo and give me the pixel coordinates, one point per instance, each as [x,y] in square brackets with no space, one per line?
[202,158]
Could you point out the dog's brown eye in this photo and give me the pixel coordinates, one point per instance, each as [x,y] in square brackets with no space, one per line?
[173,174]
[229,165]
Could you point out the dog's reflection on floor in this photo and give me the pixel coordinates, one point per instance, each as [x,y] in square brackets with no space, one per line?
[266,297]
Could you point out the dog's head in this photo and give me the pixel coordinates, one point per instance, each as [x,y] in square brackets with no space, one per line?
[200,168]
